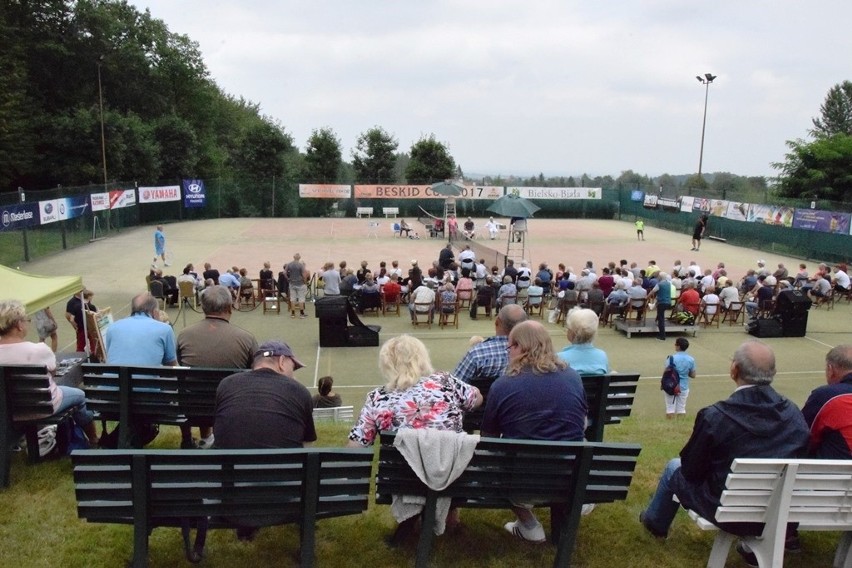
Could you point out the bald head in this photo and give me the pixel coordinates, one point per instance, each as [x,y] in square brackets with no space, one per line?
[144,303]
[838,363]
[753,364]
[510,316]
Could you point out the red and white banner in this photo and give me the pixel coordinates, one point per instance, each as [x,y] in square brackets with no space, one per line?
[159,194]
[122,198]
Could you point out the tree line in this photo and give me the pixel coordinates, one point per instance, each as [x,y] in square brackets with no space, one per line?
[70,68]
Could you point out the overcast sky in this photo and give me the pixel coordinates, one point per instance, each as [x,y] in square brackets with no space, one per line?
[558,87]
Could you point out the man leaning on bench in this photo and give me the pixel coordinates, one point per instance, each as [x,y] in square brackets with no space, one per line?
[759,424]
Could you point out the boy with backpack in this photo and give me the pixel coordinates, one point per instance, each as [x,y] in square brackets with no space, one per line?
[684,366]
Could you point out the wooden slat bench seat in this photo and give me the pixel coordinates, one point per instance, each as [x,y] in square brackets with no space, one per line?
[390,212]
[25,406]
[220,489]
[363,211]
[610,399]
[559,475]
[160,395]
[817,494]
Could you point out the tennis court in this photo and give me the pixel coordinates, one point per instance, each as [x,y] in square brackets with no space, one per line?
[115,269]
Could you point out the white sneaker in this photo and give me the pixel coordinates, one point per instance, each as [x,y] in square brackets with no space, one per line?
[206,443]
[587,508]
[535,535]
[167,263]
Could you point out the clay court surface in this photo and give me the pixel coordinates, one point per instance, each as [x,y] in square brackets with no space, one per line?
[115,269]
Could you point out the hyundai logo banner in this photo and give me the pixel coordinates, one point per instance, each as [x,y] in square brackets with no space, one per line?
[194,193]
[16,217]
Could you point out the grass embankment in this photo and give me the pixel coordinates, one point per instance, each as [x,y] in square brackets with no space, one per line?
[39,526]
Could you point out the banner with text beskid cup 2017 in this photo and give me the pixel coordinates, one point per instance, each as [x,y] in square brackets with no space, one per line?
[194,193]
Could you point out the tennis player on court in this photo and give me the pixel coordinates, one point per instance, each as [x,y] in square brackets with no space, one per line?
[159,246]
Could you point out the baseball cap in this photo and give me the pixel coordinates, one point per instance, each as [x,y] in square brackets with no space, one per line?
[277,349]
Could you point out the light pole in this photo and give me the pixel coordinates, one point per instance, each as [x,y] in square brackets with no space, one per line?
[101,104]
[706,80]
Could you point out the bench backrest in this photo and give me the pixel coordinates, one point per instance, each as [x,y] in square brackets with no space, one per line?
[112,485]
[152,394]
[24,392]
[337,413]
[810,492]
[521,470]
[609,397]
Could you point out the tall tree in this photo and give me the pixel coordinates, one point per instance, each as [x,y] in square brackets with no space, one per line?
[374,156]
[835,112]
[323,156]
[819,169]
[430,162]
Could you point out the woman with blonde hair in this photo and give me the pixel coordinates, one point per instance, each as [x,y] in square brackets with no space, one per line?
[538,398]
[16,350]
[414,394]
[581,326]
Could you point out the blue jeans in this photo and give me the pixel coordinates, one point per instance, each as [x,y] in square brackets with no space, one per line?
[75,397]
[662,509]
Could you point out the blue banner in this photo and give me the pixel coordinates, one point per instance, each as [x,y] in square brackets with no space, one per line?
[194,193]
[16,217]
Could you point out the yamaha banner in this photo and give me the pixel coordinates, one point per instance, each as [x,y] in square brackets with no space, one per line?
[194,194]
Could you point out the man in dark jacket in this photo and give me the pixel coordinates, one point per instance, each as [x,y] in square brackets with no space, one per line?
[754,422]
[828,410]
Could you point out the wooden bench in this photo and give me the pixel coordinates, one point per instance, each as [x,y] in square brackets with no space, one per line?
[25,405]
[390,212]
[609,397]
[362,211]
[159,395]
[560,475]
[220,489]
[335,414]
[814,493]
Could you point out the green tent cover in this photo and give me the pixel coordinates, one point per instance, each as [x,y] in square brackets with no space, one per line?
[37,292]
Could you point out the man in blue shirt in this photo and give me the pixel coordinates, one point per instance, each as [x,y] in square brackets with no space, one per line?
[489,358]
[662,291]
[141,339]
[685,366]
[159,246]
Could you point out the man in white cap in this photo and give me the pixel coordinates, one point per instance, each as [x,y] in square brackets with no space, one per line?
[265,407]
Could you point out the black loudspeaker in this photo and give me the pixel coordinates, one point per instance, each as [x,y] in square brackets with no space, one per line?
[331,312]
[768,327]
[791,303]
[795,327]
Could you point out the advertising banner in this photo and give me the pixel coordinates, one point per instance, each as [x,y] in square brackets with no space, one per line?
[701,204]
[668,203]
[686,203]
[122,198]
[556,192]
[63,208]
[16,217]
[736,211]
[159,194]
[194,193]
[423,192]
[100,201]
[770,215]
[718,207]
[650,201]
[822,221]
[325,190]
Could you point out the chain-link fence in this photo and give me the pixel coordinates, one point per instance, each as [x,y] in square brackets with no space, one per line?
[251,198]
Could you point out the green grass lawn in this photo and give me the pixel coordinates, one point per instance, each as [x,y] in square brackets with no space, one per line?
[39,527]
